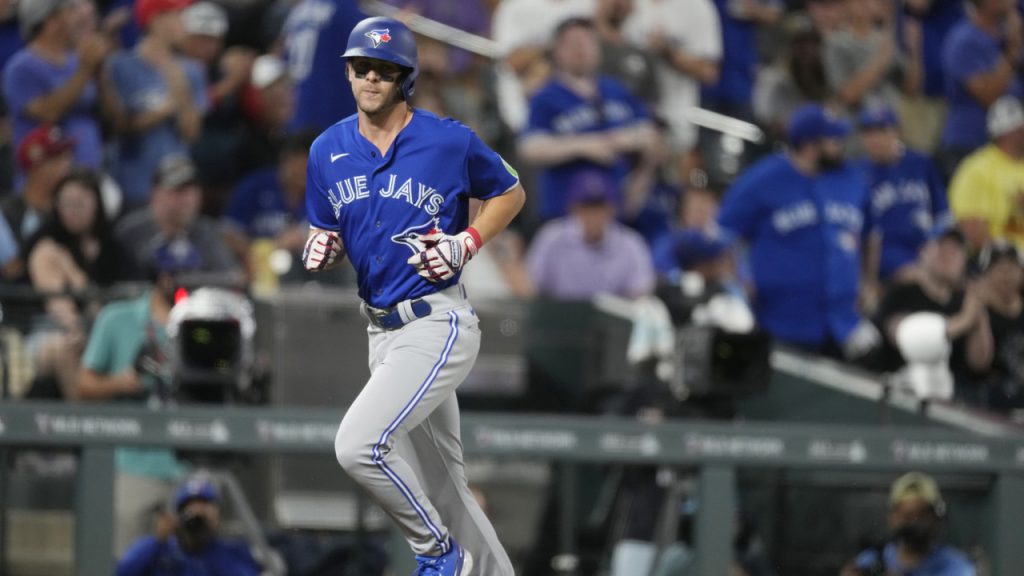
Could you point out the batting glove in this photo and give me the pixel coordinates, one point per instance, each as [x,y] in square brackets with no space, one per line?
[445,255]
[321,251]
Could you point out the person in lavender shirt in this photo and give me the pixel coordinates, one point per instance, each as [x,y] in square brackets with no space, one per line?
[52,80]
[588,252]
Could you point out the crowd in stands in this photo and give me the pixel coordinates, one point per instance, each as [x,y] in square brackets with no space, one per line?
[146,134]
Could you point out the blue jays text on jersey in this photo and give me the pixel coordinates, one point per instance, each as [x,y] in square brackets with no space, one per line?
[805,237]
[380,205]
[906,199]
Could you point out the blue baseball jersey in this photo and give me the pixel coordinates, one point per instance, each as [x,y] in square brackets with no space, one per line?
[943,561]
[906,198]
[804,236]
[315,36]
[558,111]
[259,208]
[381,206]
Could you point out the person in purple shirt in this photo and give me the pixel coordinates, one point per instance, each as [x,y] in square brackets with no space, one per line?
[981,60]
[53,79]
[588,252]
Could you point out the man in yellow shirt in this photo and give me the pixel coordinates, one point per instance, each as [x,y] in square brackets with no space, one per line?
[986,194]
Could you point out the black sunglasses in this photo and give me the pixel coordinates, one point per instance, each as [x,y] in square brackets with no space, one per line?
[386,71]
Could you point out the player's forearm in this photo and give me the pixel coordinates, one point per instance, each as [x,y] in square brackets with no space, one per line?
[497,213]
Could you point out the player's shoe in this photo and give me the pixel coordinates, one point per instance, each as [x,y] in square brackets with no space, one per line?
[456,562]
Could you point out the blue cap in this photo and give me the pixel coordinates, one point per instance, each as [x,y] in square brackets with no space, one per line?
[591,187]
[946,228]
[693,246]
[877,116]
[812,122]
[195,489]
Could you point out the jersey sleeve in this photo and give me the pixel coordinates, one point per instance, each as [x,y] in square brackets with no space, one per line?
[489,174]
[738,212]
[319,210]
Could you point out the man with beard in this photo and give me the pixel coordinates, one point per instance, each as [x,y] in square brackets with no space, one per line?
[916,512]
[186,543]
[802,215]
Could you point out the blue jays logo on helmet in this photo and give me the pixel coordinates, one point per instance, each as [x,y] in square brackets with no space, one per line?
[379,37]
[413,237]
[389,40]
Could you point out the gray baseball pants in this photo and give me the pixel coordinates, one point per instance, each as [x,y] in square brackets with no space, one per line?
[400,439]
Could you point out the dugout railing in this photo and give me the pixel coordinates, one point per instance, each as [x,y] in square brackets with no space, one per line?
[715,451]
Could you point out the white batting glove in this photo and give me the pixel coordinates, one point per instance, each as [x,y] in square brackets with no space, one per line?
[445,255]
[321,251]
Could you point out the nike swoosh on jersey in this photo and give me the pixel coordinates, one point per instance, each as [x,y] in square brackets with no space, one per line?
[336,156]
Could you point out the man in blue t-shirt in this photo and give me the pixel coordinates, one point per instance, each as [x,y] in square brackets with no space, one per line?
[907,195]
[802,214]
[581,121]
[161,98]
[981,60]
[916,513]
[53,79]
[314,34]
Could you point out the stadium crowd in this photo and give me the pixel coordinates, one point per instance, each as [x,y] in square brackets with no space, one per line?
[141,139]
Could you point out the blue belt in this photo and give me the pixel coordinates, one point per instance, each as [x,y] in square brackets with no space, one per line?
[391,319]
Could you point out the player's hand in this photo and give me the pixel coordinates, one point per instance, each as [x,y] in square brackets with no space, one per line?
[445,255]
[321,251]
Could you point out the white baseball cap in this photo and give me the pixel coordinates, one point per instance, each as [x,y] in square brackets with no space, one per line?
[1004,116]
[205,19]
[266,70]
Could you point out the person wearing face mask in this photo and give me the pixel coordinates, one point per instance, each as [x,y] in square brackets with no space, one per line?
[187,542]
[916,513]
[802,215]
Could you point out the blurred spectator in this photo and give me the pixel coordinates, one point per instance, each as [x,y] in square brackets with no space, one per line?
[499,270]
[652,194]
[797,77]
[1002,278]
[907,198]
[981,61]
[73,252]
[924,112]
[127,359]
[588,252]
[862,60]
[53,79]
[523,29]
[987,190]
[118,13]
[686,40]
[270,105]
[802,214]
[160,98]
[473,17]
[579,120]
[708,253]
[625,62]
[733,94]
[916,515]
[11,265]
[186,542]
[826,15]
[315,34]
[10,35]
[45,156]
[939,287]
[697,210]
[270,204]
[226,75]
[172,221]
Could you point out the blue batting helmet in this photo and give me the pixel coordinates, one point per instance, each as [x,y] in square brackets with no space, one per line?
[389,40]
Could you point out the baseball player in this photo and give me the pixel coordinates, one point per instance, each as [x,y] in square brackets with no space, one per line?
[390,188]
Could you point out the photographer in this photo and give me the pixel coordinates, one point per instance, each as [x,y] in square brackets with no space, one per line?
[186,543]
[916,513]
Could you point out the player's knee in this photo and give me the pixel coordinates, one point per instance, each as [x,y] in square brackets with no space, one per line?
[349,453]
